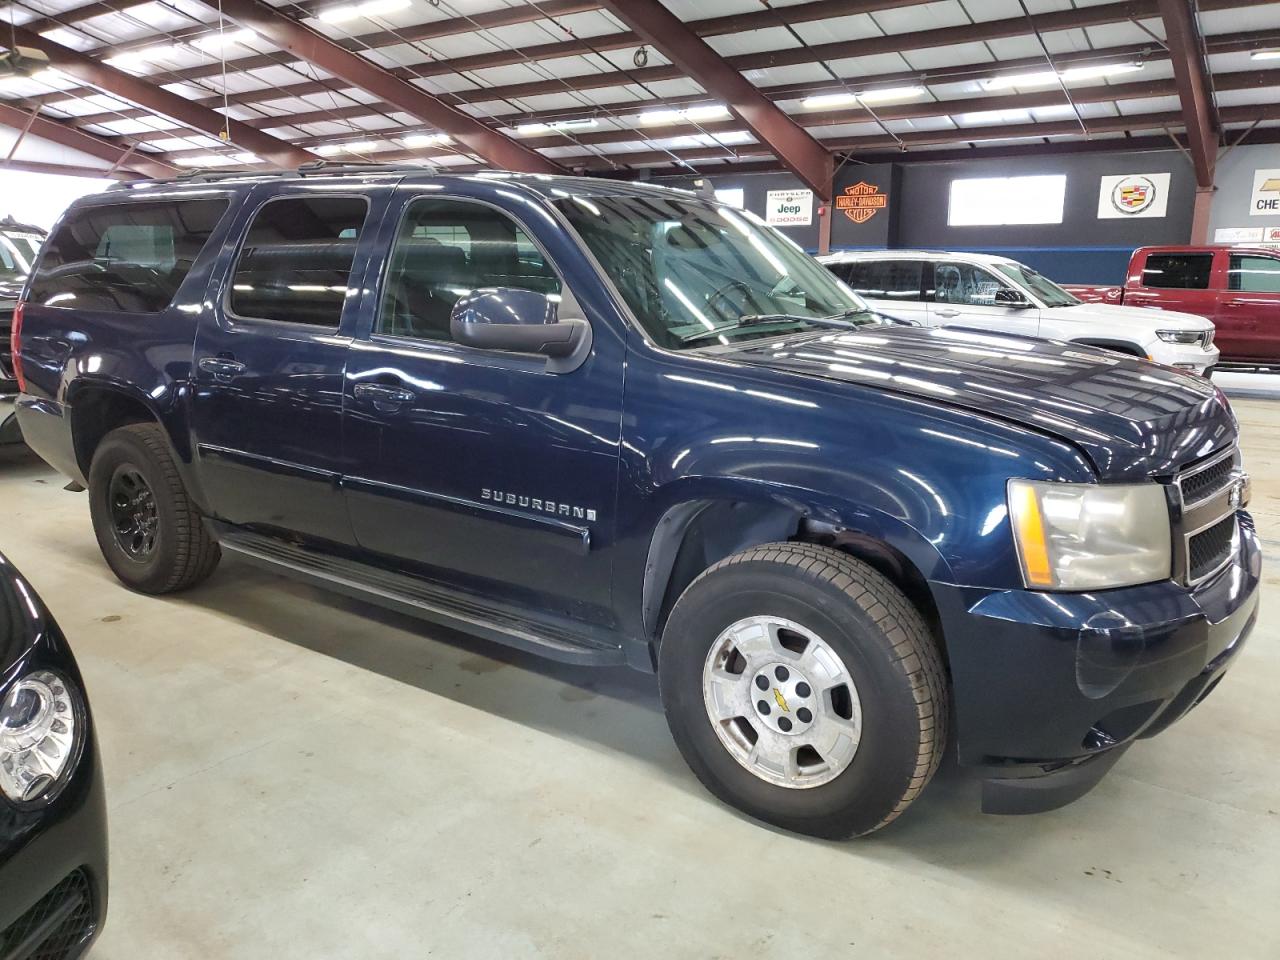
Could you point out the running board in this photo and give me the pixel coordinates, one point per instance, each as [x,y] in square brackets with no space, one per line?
[421,599]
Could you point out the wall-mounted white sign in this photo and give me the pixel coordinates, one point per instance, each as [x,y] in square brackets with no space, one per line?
[997,201]
[1265,201]
[1133,196]
[1238,234]
[789,208]
[734,196]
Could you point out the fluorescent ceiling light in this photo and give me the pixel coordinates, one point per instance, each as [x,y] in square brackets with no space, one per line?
[358,146]
[419,140]
[369,8]
[215,42]
[826,101]
[1265,55]
[1046,77]
[131,58]
[691,114]
[583,123]
[204,160]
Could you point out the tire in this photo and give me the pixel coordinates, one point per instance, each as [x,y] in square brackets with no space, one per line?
[177,551]
[885,649]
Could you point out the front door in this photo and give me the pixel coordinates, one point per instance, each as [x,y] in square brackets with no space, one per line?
[267,405]
[1248,318]
[964,295]
[481,469]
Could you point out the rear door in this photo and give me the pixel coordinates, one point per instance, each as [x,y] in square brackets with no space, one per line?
[269,363]
[964,295]
[1249,308]
[895,287]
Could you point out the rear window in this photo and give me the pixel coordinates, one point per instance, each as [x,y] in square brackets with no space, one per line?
[886,279]
[124,257]
[1181,271]
[295,265]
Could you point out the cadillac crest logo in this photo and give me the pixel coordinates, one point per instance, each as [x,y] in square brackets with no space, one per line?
[861,202]
[1133,195]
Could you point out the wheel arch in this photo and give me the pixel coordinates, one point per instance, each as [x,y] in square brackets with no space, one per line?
[695,534]
[98,407]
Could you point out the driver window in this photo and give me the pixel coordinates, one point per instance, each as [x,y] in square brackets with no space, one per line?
[446,249]
[963,283]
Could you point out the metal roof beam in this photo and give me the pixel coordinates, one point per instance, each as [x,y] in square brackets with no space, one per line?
[1191,74]
[153,98]
[306,44]
[65,136]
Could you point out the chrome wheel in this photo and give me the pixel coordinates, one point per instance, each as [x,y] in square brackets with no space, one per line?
[135,519]
[782,702]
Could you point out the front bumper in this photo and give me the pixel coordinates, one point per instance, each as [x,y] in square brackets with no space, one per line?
[1057,684]
[1196,359]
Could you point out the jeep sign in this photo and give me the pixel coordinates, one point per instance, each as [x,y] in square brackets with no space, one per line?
[789,208]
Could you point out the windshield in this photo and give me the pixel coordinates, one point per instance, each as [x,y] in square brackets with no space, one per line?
[695,273]
[17,252]
[1048,292]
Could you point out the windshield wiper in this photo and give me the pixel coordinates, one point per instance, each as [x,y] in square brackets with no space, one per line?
[841,320]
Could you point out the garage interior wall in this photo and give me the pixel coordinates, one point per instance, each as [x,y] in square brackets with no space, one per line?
[1235,175]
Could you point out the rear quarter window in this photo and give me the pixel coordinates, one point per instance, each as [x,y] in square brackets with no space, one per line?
[124,257]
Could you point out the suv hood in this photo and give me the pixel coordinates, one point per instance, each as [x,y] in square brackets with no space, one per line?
[1134,318]
[1133,419]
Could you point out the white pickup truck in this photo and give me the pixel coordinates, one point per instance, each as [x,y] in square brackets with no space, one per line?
[994,293]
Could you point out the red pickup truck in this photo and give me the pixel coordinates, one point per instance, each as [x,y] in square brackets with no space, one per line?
[1238,288]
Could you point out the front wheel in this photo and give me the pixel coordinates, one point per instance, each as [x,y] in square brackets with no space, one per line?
[803,688]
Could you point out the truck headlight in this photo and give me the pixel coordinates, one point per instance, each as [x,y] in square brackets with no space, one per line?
[39,730]
[1090,536]
[1180,336]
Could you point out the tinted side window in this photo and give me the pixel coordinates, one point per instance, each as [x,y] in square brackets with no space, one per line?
[128,257]
[1253,274]
[295,265]
[1182,271]
[887,279]
[965,284]
[446,249]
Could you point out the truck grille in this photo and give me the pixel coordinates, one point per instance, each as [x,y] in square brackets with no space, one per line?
[1210,549]
[1201,483]
[1210,499]
[57,927]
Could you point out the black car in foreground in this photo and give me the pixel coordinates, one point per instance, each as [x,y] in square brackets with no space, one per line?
[53,820]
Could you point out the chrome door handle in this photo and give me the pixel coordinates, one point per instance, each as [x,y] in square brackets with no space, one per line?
[220,366]
[948,313]
[383,393]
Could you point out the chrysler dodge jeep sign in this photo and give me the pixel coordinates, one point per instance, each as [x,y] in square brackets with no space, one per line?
[789,208]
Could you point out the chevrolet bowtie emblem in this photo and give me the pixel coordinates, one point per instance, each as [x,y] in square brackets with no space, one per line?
[782,701]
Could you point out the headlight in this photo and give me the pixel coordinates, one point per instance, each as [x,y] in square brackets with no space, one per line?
[38,735]
[1180,336]
[1090,536]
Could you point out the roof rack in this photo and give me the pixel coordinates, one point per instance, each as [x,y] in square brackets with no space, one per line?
[314,168]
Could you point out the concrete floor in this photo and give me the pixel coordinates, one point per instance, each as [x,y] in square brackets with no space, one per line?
[292,774]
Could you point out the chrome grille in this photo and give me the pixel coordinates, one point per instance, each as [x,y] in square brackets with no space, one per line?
[1210,493]
[1210,549]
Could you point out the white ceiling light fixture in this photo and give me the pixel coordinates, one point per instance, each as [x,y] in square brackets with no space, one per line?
[561,126]
[369,8]
[1047,77]
[688,115]
[420,140]
[222,40]
[828,101]
[1265,55]
[132,58]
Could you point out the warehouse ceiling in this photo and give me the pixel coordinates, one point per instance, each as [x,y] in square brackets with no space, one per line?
[610,86]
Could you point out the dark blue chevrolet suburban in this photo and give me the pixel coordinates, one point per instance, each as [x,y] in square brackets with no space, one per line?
[622,424]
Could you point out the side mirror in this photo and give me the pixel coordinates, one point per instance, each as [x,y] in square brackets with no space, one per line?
[507,318]
[1012,299]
